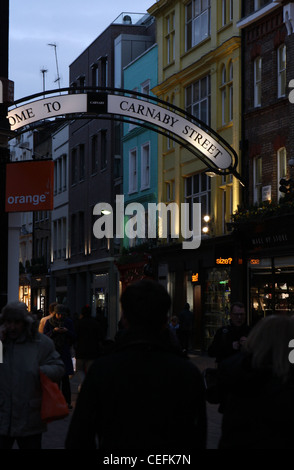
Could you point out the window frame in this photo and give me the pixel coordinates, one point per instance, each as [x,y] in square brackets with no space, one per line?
[282,72]
[190,26]
[257,82]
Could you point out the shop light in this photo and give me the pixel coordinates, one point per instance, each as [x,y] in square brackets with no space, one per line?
[206,219]
[105,212]
[205,229]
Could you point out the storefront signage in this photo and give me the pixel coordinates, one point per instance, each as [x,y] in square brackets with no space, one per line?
[254,262]
[46,109]
[29,186]
[195,277]
[174,123]
[101,103]
[224,261]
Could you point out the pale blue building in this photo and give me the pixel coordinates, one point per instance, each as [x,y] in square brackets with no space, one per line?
[140,151]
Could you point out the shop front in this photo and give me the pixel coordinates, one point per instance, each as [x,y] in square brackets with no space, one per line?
[209,279]
[269,253]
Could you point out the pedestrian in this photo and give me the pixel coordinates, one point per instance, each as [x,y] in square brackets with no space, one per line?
[229,339]
[258,384]
[88,342]
[25,353]
[60,329]
[185,327]
[144,394]
[44,319]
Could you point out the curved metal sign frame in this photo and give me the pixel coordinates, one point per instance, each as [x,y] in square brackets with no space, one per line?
[128,106]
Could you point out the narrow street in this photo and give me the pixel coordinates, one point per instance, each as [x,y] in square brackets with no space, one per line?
[55,436]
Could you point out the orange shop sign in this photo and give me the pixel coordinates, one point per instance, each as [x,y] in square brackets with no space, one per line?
[29,186]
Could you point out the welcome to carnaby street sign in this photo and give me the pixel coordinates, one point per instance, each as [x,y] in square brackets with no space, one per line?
[198,137]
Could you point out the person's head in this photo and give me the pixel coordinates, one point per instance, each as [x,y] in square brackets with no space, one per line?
[145,304]
[238,314]
[51,307]
[174,320]
[86,311]
[268,344]
[16,319]
[60,311]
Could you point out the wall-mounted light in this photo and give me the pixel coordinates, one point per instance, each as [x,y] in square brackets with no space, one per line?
[105,212]
[206,228]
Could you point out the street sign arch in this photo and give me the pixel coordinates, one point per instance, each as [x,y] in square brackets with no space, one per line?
[128,106]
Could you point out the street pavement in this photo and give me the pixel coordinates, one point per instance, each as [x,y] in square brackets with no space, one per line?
[55,436]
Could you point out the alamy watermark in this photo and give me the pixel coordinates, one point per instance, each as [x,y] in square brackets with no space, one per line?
[158,221]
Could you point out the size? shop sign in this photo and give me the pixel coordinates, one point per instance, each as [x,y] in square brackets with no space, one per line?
[29,186]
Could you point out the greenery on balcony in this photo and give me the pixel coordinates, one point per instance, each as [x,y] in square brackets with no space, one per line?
[265,210]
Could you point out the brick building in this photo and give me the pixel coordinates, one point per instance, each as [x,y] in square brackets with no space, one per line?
[264,224]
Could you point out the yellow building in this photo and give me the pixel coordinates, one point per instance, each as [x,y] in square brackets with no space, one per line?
[199,49]
[200,72]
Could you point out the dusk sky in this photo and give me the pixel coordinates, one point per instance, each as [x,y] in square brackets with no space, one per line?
[71,25]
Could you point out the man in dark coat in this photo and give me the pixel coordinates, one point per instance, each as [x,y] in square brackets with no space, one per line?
[229,339]
[145,394]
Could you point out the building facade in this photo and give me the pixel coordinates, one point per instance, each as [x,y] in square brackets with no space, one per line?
[140,158]
[60,219]
[263,225]
[96,168]
[199,48]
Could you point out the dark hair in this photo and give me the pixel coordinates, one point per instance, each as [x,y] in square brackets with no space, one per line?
[237,304]
[146,304]
[52,306]
[60,309]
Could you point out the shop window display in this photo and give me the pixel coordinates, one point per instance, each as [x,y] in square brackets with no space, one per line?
[216,302]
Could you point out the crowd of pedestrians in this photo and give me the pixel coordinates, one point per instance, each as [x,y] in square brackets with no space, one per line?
[142,391]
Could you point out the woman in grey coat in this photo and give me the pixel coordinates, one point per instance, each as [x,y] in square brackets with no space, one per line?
[25,353]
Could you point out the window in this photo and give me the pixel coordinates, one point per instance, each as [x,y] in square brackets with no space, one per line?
[257,178]
[64,164]
[81,232]
[198,190]
[103,148]
[74,167]
[170,38]
[224,12]
[94,154]
[170,191]
[257,81]
[95,75]
[73,234]
[145,166]
[81,83]
[231,92]
[133,181]
[145,87]
[198,99]
[282,167]
[197,22]
[82,161]
[104,71]
[132,125]
[282,71]
[224,94]
[231,10]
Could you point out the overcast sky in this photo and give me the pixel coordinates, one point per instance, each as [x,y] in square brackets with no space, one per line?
[71,24]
